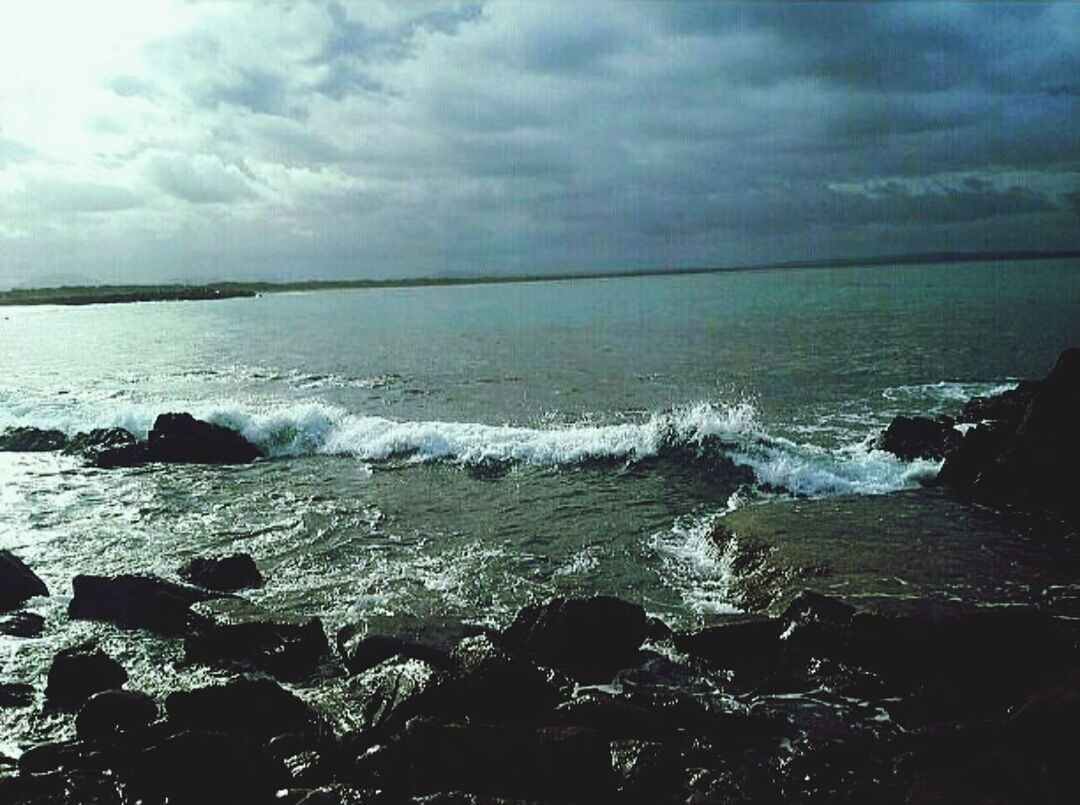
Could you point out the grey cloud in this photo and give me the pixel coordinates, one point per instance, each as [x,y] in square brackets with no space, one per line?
[197,180]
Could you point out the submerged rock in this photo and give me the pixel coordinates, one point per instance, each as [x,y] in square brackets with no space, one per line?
[31,440]
[17,582]
[589,638]
[22,624]
[910,438]
[225,573]
[180,438]
[135,602]
[287,651]
[79,672]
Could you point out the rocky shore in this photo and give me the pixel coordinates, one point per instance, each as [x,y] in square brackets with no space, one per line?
[580,700]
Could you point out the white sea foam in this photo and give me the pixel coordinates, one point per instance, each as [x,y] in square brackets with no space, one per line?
[695,566]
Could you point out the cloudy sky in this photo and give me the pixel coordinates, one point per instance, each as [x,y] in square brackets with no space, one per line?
[157,141]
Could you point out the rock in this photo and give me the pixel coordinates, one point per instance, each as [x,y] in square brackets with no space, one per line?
[203,767]
[60,788]
[811,607]
[225,573]
[135,602]
[112,712]
[589,638]
[910,438]
[286,651]
[180,438]
[31,440]
[104,447]
[22,624]
[79,672]
[258,709]
[429,639]
[17,582]
[1028,462]
[749,647]
[391,693]
[556,763]
[16,695]
[614,717]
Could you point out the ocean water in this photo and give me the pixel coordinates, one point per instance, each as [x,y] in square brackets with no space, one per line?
[463,451]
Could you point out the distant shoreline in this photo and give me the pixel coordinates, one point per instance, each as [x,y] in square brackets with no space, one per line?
[116,294]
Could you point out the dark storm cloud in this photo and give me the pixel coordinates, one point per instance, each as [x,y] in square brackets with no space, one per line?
[421,138]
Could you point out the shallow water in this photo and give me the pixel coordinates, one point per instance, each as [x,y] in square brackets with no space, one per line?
[466,450]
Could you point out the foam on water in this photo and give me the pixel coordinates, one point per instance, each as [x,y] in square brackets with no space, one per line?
[695,566]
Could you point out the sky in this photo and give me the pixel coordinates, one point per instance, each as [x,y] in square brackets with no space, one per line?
[162,140]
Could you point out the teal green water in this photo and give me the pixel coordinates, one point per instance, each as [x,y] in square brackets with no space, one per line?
[465,450]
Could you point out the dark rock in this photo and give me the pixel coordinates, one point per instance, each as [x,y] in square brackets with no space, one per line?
[22,624]
[589,638]
[203,767]
[811,607]
[61,788]
[1028,463]
[16,695]
[31,440]
[287,651]
[79,672]
[110,712]
[225,573]
[910,438]
[1007,407]
[749,647]
[391,693]
[258,709]
[135,602]
[552,763]
[104,446]
[68,756]
[430,640]
[648,771]
[17,582]
[180,438]
[614,717]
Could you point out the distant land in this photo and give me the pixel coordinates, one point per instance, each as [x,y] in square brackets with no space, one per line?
[109,294]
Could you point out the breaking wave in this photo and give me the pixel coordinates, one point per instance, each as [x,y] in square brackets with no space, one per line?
[702,434]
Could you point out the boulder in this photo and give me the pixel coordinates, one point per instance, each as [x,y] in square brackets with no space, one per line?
[79,672]
[390,693]
[180,438]
[429,639]
[258,709]
[104,447]
[111,712]
[135,602]
[31,440]
[749,647]
[286,651]
[589,638]
[224,573]
[22,624]
[16,695]
[17,582]
[811,607]
[194,768]
[554,763]
[909,438]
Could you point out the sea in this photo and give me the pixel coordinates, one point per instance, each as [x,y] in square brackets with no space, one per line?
[462,451]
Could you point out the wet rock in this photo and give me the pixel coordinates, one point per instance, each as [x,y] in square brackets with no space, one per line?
[61,788]
[112,712]
[648,771]
[909,438]
[17,582]
[201,767]
[104,446]
[749,647]
[1007,407]
[286,651]
[258,709]
[363,646]
[68,756]
[614,717]
[79,672]
[22,624]
[390,693]
[180,438]
[135,602]
[550,763]
[31,440]
[589,638]
[1029,463]
[224,573]
[811,607]
[16,695]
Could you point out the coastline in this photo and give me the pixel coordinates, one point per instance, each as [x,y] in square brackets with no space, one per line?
[121,294]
